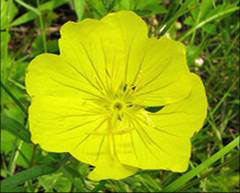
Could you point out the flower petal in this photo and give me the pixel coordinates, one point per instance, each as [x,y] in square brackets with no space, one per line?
[67,125]
[162,140]
[111,168]
[78,127]
[51,75]
[163,76]
[184,117]
[147,148]
[104,49]
[134,33]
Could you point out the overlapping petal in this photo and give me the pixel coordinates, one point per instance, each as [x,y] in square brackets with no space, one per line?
[185,117]
[163,76]
[102,48]
[147,147]
[121,54]
[79,127]
[109,167]
[162,140]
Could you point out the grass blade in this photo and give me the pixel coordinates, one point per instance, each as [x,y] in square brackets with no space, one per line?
[19,104]
[196,181]
[216,16]
[79,6]
[26,175]
[15,128]
[43,30]
[174,186]
[29,16]
[182,10]
[29,7]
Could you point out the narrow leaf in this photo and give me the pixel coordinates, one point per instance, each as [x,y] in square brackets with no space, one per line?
[79,6]
[209,19]
[26,175]
[29,16]
[174,186]
[29,7]
[15,128]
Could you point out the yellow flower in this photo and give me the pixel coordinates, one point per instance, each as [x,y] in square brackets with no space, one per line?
[94,100]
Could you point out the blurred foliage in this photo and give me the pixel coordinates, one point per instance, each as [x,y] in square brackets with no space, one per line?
[209,29]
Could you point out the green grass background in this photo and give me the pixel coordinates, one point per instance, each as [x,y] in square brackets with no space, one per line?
[209,29]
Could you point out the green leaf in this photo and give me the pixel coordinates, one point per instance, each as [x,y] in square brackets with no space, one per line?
[210,28]
[55,181]
[218,15]
[8,12]
[63,184]
[98,8]
[177,184]
[26,175]
[74,177]
[99,187]
[182,10]
[151,182]
[143,4]
[29,7]
[13,189]
[5,60]
[189,21]
[25,156]
[7,140]
[125,5]
[29,16]
[205,8]
[37,46]
[224,169]
[15,128]
[79,6]
[13,96]
[156,9]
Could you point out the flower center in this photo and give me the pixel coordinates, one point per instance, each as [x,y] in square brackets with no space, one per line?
[118,106]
